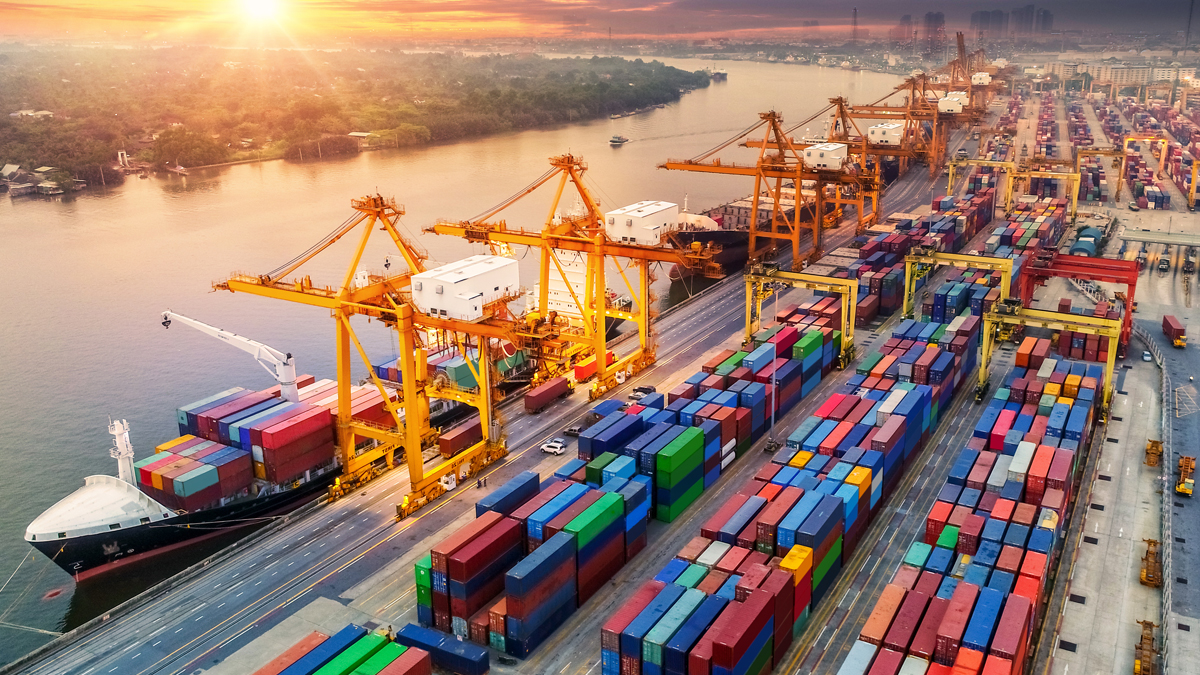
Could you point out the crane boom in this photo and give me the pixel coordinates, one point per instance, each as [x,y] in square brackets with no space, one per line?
[281,366]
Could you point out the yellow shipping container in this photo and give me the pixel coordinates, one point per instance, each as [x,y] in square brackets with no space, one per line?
[861,477]
[172,443]
[1071,386]
[800,460]
[1052,388]
[798,561]
[260,470]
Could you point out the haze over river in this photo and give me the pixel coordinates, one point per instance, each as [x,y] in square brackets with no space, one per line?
[85,278]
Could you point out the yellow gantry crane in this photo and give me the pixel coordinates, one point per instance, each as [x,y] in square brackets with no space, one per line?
[1012,313]
[921,261]
[1118,163]
[365,447]
[558,341]
[761,279]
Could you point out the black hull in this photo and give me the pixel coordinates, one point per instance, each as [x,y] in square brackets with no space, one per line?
[95,555]
[735,249]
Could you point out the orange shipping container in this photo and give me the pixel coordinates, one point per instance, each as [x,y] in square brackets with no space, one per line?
[293,654]
[880,621]
[881,367]
[1024,351]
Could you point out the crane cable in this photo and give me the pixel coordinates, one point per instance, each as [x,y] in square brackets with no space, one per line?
[519,194]
[727,143]
[325,241]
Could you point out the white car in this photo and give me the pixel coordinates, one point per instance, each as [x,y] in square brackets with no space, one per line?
[555,446]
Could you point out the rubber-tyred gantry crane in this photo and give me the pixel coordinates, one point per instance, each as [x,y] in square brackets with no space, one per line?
[1050,264]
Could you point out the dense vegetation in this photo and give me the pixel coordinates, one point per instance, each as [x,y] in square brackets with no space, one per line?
[206,105]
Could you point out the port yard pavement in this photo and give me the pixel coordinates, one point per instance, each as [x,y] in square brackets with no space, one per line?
[198,620]
[1101,597]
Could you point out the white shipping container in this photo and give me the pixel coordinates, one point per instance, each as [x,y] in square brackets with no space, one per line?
[950,105]
[1021,460]
[981,78]
[887,133]
[858,660]
[827,156]
[642,223]
[460,290]
[914,665]
[999,474]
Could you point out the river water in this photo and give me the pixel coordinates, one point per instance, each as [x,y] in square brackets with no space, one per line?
[84,279]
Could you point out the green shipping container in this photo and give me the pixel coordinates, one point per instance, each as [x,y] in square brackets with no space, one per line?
[811,342]
[423,569]
[679,450]
[669,624]
[425,596]
[589,524]
[835,554]
[949,537]
[355,655]
[1046,404]
[381,659]
[865,366]
[836,338]
[595,468]
[937,334]
[763,660]
[497,641]
[669,512]
[691,576]
[800,624]
[724,370]
[917,554]
[669,479]
[735,360]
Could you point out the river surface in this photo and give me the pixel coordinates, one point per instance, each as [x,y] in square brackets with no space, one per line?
[84,279]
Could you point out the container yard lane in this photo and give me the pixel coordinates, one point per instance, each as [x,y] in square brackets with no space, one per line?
[351,561]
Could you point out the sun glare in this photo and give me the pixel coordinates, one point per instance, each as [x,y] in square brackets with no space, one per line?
[260,9]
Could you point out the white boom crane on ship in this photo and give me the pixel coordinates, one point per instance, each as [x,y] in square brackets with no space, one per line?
[281,366]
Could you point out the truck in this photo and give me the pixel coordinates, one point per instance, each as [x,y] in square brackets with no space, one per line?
[1186,482]
[1174,331]
[1189,263]
[541,396]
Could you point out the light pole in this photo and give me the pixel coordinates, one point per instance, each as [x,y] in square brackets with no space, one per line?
[772,444]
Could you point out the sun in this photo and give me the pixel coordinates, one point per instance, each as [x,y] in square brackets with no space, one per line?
[260,9]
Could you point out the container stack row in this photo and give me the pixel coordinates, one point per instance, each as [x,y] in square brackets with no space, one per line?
[1012,113]
[1079,346]
[1030,226]
[1046,134]
[733,599]
[450,363]
[1110,122]
[355,651]
[1078,129]
[1092,184]
[970,591]
[534,553]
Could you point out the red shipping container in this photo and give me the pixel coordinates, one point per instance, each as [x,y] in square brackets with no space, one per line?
[1059,475]
[768,520]
[1009,559]
[610,632]
[441,552]
[497,613]
[1035,479]
[908,617]
[413,661]
[906,577]
[560,521]
[928,583]
[489,545]
[1012,630]
[730,506]
[887,662]
[520,606]
[478,627]
[958,516]
[207,421]
[280,663]
[969,533]
[597,572]
[1024,513]
[781,584]
[987,500]
[315,421]
[826,409]
[842,409]
[700,658]
[522,513]
[1034,566]
[936,521]
[924,642]
[712,582]
[461,437]
[752,578]
[1003,509]
[693,549]
[968,662]
[732,643]
[977,479]
[954,623]
[994,665]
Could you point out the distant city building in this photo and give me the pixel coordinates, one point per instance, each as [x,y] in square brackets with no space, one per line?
[993,24]
[1120,74]
[1044,22]
[935,31]
[903,31]
[1021,20]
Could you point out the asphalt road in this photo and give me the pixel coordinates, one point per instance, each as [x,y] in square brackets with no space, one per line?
[350,550]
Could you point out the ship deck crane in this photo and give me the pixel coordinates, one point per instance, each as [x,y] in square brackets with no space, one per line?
[920,260]
[281,366]
[584,234]
[770,171]
[387,298]
[1011,313]
[762,276]
[1053,264]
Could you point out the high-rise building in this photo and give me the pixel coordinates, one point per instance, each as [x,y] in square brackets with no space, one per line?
[1044,23]
[993,24]
[902,32]
[1021,21]
[935,31]
[999,24]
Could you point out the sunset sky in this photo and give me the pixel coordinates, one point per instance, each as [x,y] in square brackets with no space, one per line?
[302,20]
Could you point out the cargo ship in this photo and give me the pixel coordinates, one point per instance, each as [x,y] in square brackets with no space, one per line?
[242,458]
